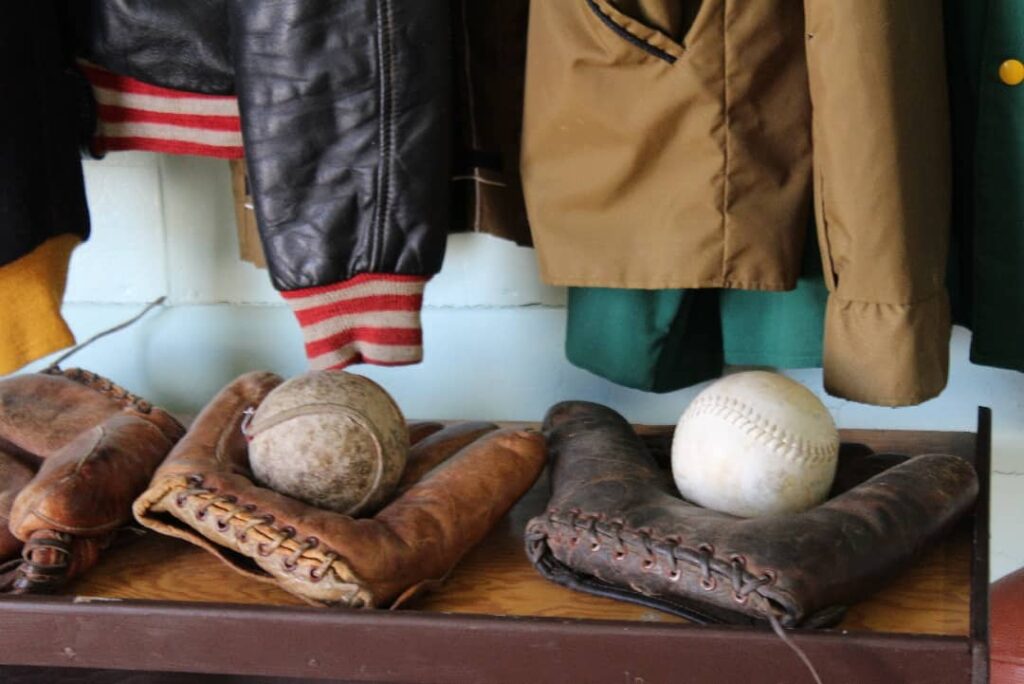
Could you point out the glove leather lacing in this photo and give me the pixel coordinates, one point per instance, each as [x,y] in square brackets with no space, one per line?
[266,521]
[732,569]
[601,531]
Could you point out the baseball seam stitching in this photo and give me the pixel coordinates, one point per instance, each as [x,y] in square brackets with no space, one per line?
[778,440]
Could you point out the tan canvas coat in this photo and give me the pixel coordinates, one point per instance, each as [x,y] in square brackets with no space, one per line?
[680,144]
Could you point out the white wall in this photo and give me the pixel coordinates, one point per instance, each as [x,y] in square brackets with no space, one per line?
[493,334]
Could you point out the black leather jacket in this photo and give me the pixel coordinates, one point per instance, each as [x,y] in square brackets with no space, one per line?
[345,117]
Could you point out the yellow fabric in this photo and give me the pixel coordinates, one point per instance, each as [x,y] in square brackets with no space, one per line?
[31,292]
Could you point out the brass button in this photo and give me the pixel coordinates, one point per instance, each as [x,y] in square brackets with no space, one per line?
[1011,72]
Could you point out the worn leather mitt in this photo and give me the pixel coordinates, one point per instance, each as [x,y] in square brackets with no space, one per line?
[616,526]
[75,451]
[457,484]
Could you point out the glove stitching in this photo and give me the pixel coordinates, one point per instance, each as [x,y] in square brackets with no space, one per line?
[733,569]
[780,441]
[103,386]
[58,526]
[118,394]
[264,523]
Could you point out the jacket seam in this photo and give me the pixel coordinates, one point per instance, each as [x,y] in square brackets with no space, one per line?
[824,238]
[725,133]
[897,305]
[628,35]
[471,111]
[385,35]
[887,400]
[627,284]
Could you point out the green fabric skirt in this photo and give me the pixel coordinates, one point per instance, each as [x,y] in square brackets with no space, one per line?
[663,340]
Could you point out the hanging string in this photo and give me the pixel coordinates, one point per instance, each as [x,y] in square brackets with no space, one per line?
[120,326]
[781,633]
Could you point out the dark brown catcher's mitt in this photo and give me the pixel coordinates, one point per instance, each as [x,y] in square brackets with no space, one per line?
[75,451]
[616,526]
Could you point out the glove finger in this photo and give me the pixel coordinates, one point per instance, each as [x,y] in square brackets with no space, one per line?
[87,488]
[217,429]
[426,454]
[51,558]
[14,475]
[450,510]
[420,430]
[43,413]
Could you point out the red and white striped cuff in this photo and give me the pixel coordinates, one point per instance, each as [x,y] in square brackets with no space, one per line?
[372,318]
[132,115]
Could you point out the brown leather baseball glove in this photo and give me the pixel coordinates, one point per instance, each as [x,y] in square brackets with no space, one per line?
[75,451]
[457,484]
[616,526]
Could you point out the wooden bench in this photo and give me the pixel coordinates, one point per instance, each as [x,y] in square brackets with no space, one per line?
[159,604]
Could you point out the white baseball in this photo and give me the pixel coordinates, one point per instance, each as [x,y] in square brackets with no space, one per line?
[753,444]
[333,439]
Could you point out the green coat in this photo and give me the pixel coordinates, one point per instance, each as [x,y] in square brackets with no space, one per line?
[662,340]
[986,273]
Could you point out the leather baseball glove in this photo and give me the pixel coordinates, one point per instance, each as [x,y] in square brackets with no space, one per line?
[75,451]
[457,484]
[615,526]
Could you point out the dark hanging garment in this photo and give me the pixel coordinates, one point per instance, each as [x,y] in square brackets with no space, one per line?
[488,75]
[46,113]
[985,46]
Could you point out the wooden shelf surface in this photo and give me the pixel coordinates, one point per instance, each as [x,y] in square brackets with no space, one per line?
[495,578]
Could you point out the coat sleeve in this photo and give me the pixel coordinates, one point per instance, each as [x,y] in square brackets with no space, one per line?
[344,110]
[345,120]
[178,45]
[882,195]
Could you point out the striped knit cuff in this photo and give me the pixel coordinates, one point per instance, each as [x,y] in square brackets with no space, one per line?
[132,115]
[372,318]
